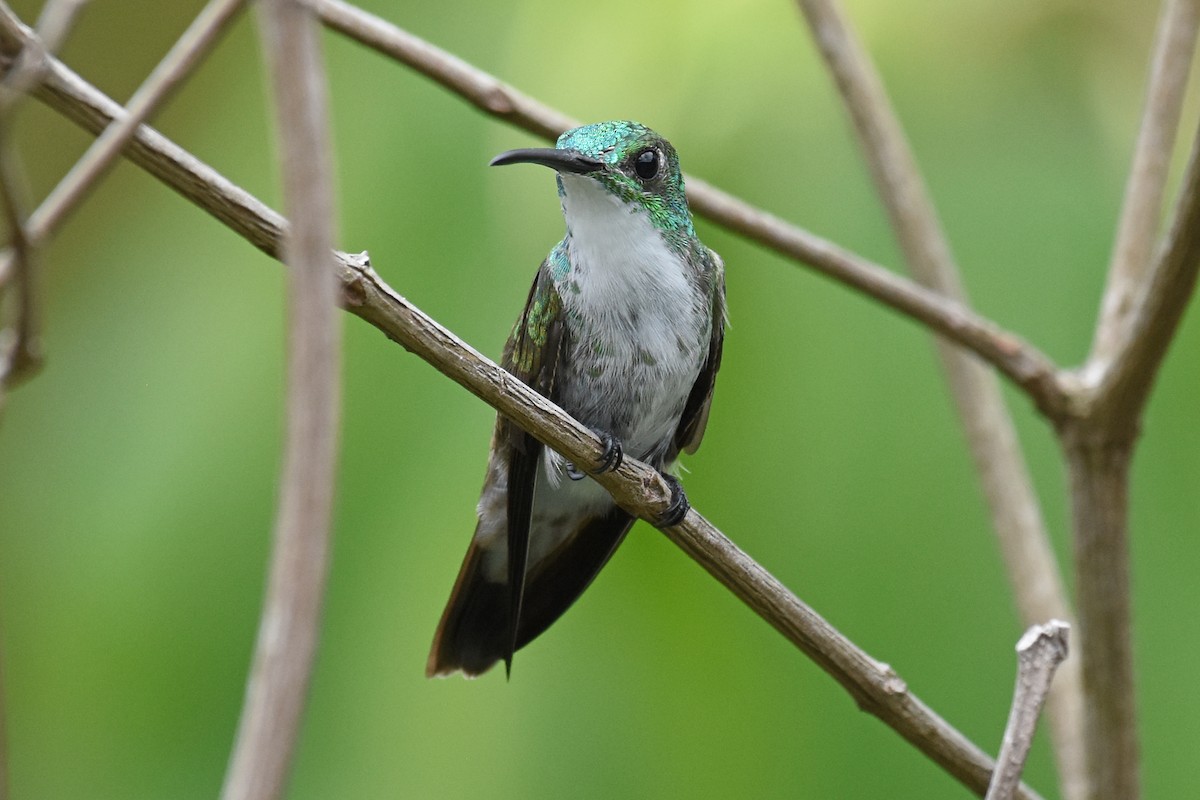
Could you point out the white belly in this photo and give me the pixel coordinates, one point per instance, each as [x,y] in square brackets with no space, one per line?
[638,320]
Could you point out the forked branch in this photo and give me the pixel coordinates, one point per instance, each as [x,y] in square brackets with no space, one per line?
[1016,515]
[1141,210]
[1139,350]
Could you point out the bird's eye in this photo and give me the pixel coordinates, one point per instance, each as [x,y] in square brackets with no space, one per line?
[645,165]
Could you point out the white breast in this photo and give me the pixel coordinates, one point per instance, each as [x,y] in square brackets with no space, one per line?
[645,338]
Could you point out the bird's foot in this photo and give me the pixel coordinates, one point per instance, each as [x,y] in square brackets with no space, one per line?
[679,506]
[613,455]
[610,459]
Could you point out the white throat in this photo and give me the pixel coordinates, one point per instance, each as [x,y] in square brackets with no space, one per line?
[619,259]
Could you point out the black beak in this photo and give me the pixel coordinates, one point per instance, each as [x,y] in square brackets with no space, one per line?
[571,161]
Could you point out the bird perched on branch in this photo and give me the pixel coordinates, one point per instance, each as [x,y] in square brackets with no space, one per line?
[623,329]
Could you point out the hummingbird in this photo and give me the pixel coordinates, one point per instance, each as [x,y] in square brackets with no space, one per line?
[623,328]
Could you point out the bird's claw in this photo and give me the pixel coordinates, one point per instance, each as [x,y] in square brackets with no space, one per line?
[612,458]
[613,455]
[679,506]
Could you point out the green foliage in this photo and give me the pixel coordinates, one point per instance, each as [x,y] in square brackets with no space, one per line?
[138,472]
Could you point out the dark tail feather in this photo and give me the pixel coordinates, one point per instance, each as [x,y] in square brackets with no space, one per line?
[522,471]
[470,636]
[473,633]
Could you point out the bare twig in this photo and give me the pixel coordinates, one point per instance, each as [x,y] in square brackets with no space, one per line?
[639,489]
[1039,653]
[1099,449]
[1133,250]
[885,147]
[93,110]
[84,104]
[635,486]
[55,22]
[1139,351]
[53,26]
[178,64]
[1098,469]
[1022,363]
[1016,515]
[20,352]
[288,630]
[484,91]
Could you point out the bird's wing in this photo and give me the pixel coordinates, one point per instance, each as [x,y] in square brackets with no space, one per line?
[695,412]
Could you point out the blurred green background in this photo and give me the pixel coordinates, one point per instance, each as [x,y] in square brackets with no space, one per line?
[138,472]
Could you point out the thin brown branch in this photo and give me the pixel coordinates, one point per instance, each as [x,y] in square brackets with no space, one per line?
[640,490]
[1099,482]
[482,90]
[1016,515]
[1099,449]
[20,351]
[55,22]
[179,62]
[1141,211]
[635,486]
[53,25]
[885,148]
[184,56]
[1023,364]
[82,103]
[24,238]
[1029,369]
[289,629]
[1122,392]
[1039,653]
